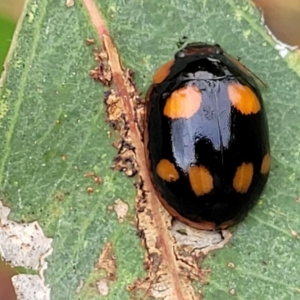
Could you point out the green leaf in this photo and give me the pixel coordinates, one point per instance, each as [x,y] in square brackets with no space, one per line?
[53,132]
[7,29]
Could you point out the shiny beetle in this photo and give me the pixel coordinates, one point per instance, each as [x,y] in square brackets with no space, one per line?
[206,137]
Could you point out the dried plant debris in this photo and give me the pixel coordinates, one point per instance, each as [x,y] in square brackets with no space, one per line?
[101,277]
[167,277]
[106,262]
[173,250]
[70,3]
[186,247]
[102,286]
[125,161]
[102,72]
[25,245]
[192,245]
[121,209]
[89,41]
[97,179]
[197,242]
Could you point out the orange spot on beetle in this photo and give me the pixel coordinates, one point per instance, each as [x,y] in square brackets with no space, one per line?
[162,72]
[243,177]
[183,103]
[166,170]
[265,165]
[200,179]
[243,98]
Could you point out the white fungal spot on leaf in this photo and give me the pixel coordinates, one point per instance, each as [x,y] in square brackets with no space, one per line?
[25,245]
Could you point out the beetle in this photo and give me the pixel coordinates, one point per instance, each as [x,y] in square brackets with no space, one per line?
[206,137]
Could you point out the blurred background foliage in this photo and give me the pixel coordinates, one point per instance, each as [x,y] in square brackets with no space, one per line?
[9,14]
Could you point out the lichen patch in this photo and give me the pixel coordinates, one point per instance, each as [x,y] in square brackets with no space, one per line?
[30,287]
[25,245]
